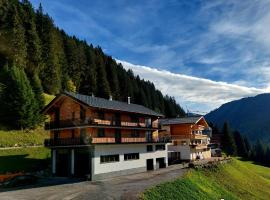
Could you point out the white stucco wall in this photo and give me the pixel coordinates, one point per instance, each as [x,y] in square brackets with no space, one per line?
[121,149]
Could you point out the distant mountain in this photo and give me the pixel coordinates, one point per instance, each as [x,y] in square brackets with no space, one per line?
[251,116]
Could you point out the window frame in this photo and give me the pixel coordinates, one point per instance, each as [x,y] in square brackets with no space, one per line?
[131,156]
[109,158]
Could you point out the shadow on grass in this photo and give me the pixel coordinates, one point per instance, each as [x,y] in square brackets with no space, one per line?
[253,162]
[21,163]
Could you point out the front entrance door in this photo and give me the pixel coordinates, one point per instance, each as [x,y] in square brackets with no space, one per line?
[149,164]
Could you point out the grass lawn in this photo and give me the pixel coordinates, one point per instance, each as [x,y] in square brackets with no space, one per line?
[236,180]
[24,159]
[10,138]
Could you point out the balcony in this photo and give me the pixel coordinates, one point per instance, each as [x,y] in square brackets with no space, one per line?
[189,136]
[65,124]
[64,142]
[77,141]
[101,140]
[132,140]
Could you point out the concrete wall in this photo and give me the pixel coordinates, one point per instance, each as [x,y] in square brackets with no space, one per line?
[185,153]
[105,170]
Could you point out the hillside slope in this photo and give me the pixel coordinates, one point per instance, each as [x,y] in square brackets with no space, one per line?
[30,40]
[236,180]
[248,115]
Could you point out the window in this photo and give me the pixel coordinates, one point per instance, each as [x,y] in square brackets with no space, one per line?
[131,156]
[101,115]
[135,133]
[101,132]
[109,158]
[134,118]
[149,148]
[160,147]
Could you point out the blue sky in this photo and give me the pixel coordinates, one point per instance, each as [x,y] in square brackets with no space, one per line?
[223,46]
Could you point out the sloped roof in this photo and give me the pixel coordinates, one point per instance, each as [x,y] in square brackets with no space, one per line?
[182,120]
[111,104]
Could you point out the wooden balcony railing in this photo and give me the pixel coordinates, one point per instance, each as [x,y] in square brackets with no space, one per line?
[95,122]
[131,140]
[189,136]
[103,140]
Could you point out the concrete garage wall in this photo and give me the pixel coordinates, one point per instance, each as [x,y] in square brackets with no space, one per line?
[106,170]
[184,149]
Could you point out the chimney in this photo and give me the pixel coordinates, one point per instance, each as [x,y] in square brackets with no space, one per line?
[128,100]
[110,98]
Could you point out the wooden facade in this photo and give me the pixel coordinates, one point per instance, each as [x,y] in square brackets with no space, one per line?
[72,121]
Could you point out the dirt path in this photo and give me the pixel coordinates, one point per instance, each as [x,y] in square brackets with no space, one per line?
[124,187]
[5,148]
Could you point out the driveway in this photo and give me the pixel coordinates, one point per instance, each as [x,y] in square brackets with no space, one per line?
[124,187]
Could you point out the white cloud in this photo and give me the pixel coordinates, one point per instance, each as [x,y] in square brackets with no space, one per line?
[199,94]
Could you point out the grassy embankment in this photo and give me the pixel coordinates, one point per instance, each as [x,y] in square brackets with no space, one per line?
[26,158]
[235,180]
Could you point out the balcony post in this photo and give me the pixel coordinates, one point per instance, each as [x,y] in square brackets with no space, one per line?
[53,161]
[72,162]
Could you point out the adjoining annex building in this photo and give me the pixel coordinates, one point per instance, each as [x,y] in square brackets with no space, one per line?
[190,138]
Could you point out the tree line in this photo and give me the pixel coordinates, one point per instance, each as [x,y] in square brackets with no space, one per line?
[49,60]
[234,144]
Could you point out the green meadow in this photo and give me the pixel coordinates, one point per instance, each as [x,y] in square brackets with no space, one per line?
[235,180]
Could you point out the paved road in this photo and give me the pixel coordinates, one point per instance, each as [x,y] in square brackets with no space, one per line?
[124,187]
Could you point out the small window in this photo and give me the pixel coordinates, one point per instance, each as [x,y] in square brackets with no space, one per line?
[160,147]
[131,156]
[109,158]
[149,148]
[101,115]
[135,119]
[135,133]
[101,132]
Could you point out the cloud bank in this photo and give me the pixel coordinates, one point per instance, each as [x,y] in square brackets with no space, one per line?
[197,94]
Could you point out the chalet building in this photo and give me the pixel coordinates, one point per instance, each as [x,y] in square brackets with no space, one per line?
[101,138]
[190,137]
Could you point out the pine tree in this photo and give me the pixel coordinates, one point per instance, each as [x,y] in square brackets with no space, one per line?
[34,62]
[51,74]
[40,100]
[240,145]
[267,156]
[227,142]
[247,145]
[18,43]
[258,152]
[103,88]
[18,103]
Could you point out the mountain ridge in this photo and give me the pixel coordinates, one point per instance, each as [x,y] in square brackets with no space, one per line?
[249,115]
